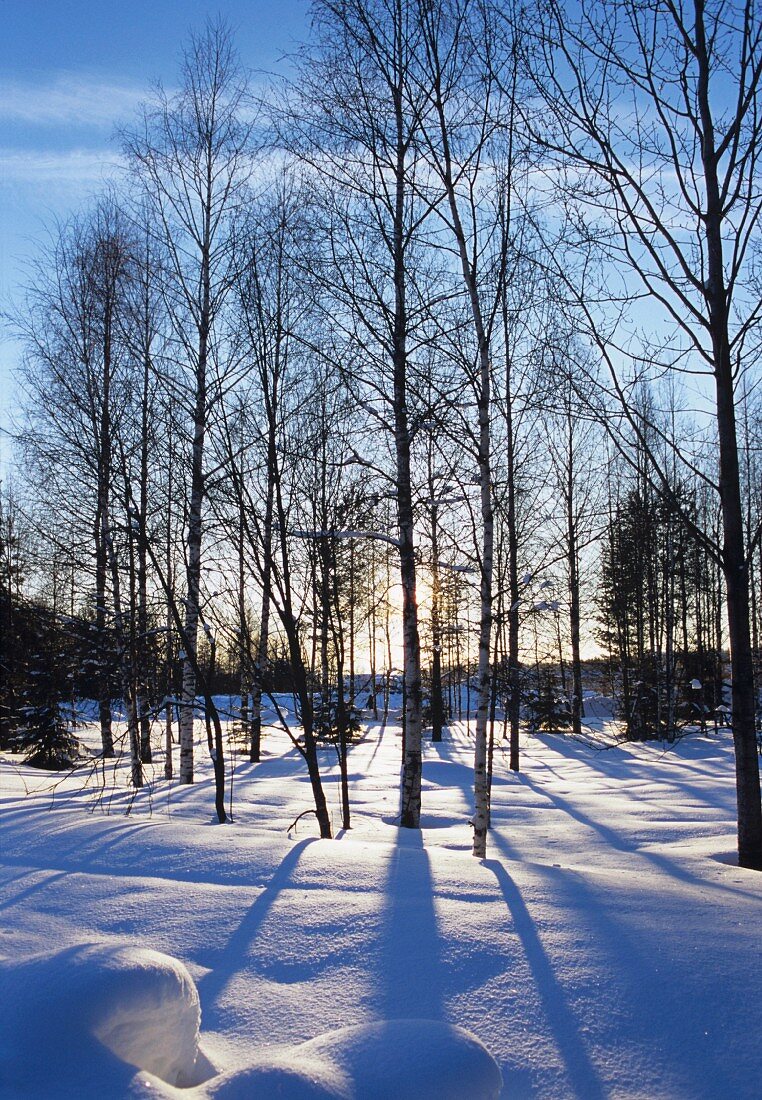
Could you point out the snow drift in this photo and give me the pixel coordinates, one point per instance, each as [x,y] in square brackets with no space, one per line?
[608,947]
[86,1017]
[404,1059]
[96,1008]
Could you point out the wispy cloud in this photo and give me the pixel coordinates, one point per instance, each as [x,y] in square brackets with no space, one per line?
[68,99]
[71,167]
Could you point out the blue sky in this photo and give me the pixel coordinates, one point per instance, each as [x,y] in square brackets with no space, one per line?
[70,71]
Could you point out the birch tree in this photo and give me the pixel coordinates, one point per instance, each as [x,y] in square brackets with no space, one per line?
[191,158]
[74,395]
[356,123]
[651,118]
[463,136]
[573,445]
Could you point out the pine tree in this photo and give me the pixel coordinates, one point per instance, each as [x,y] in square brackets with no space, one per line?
[43,720]
[545,705]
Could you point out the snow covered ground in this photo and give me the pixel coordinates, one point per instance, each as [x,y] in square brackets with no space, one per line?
[607,948]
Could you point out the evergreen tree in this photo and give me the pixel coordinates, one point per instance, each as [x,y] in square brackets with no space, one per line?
[545,705]
[43,721]
[10,586]
[651,624]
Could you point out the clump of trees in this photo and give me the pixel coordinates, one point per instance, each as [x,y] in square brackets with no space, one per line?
[406,342]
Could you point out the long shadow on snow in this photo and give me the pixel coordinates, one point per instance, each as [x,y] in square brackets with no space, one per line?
[409,962]
[646,979]
[580,1070]
[456,751]
[50,877]
[68,850]
[442,765]
[617,764]
[372,727]
[614,840]
[228,961]
[278,766]
[449,774]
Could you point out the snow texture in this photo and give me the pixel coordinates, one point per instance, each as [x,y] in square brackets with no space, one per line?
[608,947]
[403,1059]
[143,1008]
[140,1005]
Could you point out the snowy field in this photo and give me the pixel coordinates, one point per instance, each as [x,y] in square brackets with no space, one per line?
[607,948]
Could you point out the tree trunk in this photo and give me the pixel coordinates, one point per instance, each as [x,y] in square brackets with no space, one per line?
[101,552]
[735,565]
[574,609]
[142,578]
[193,571]
[436,638]
[169,652]
[193,586]
[410,809]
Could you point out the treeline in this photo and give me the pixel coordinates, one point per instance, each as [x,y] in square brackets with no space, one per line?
[406,350]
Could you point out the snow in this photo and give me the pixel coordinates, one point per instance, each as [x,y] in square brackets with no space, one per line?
[415,1059]
[142,1007]
[85,1002]
[404,1059]
[607,947]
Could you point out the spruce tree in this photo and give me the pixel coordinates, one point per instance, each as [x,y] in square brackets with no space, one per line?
[43,726]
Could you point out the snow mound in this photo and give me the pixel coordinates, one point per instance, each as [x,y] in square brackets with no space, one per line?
[287,1075]
[140,1005]
[103,1010]
[399,1059]
[410,1060]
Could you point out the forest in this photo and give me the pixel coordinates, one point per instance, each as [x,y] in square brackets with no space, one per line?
[381,562]
[432,368]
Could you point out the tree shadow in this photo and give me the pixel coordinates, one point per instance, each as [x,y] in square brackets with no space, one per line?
[227,961]
[444,766]
[410,953]
[381,729]
[619,765]
[580,1070]
[277,766]
[640,962]
[50,876]
[614,840]
[73,853]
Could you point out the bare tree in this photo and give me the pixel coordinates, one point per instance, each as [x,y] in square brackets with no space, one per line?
[573,445]
[191,157]
[651,120]
[75,394]
[356,123]
[468,131]
[263,449]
